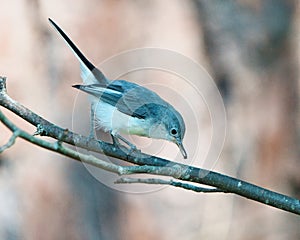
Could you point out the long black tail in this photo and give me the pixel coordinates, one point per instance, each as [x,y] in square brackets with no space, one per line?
[89,73]
[74,48]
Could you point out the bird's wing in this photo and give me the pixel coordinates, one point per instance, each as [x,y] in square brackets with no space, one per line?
[129,98]
[136,100]
[89,73]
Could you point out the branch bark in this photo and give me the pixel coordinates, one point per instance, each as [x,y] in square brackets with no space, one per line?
[170,182]
[148,164]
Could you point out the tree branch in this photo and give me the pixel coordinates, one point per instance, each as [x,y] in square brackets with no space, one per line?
[149,164]
[170,182]
[10,142]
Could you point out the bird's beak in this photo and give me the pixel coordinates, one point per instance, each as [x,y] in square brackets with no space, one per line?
[181,148]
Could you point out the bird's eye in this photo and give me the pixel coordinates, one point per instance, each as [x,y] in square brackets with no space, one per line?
[173,131]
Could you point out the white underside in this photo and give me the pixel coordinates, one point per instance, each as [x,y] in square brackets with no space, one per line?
[108,118]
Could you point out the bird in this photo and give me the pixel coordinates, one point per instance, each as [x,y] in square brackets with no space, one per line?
[123,107]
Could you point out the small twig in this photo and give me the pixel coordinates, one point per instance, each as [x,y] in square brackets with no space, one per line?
[39,130]
[3,85]
[170,182]
[10,142]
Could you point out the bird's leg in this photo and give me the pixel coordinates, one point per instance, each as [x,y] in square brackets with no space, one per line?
[132,146]
[116,137]
[116,141]
[92,124]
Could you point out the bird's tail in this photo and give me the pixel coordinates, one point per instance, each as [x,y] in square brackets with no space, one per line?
[89,73]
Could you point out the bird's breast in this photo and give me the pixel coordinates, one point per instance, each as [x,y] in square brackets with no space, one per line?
[108,118]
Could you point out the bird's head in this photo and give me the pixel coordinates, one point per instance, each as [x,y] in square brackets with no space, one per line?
[171,127]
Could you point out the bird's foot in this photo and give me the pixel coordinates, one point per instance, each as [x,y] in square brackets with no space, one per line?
[131,147]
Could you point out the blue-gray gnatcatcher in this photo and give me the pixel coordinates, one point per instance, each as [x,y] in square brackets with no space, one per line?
[127,108]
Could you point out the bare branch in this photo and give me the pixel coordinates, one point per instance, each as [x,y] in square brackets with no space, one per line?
[170,182]
[10,142]
[150,164]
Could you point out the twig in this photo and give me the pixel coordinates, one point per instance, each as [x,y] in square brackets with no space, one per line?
[152,164]
[170,182]
[10,142]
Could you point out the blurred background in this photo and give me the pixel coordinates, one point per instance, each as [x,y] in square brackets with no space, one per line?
[249,47]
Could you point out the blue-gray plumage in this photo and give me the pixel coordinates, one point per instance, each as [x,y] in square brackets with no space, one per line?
[124,107]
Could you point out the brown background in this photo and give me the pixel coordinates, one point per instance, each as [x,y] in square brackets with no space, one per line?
[251,48]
